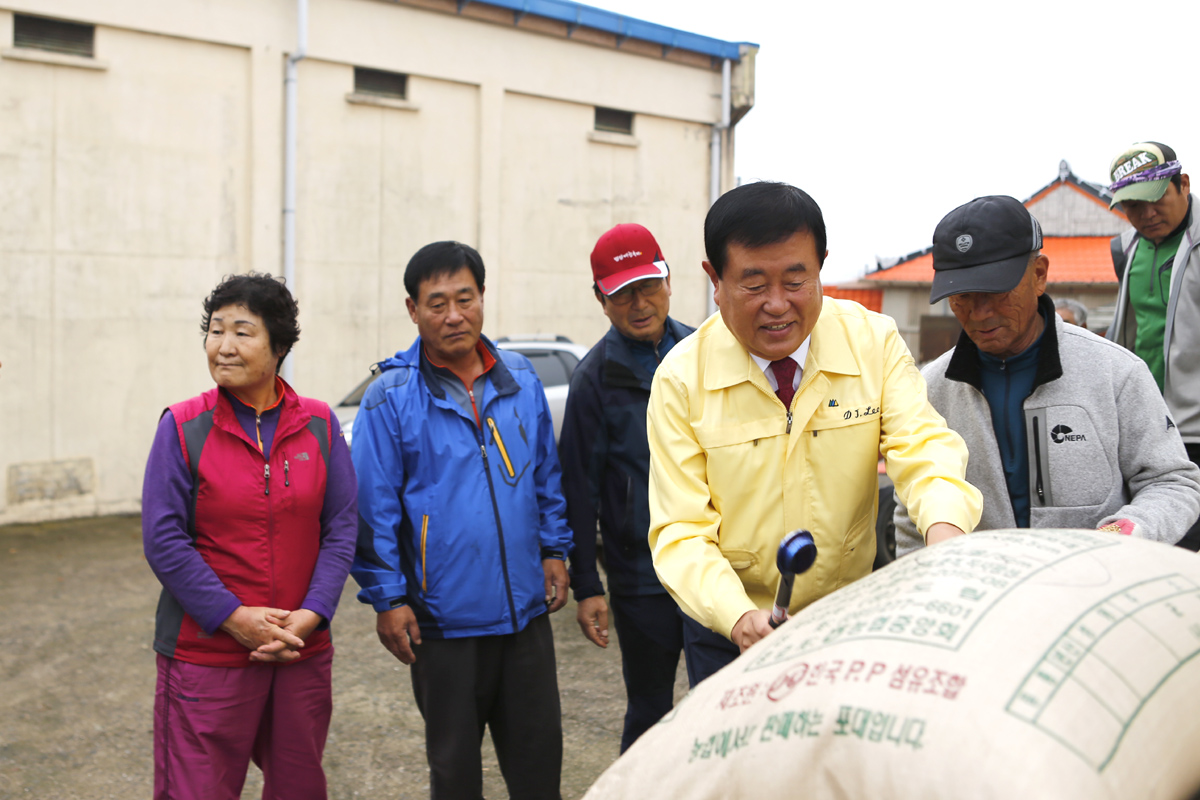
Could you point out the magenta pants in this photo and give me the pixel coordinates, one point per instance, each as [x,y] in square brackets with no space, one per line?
[209,722]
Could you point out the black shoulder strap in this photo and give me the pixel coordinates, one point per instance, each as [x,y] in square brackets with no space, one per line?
[1118,258]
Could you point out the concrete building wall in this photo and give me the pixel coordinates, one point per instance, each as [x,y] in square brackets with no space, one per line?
[1068,212]
[134,180]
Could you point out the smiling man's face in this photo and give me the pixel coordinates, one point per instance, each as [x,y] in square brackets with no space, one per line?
[770,296]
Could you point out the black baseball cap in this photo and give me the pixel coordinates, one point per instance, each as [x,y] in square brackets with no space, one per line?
[983,246]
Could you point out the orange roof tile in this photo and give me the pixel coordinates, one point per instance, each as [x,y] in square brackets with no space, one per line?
[1079,259]
[1073,259]
[871,299]
[917,270]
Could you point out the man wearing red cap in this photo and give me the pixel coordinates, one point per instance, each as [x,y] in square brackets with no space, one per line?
[1158,265]
[606,462]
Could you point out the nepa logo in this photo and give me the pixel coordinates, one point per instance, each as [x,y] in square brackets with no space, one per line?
[964,242]
[1062,433]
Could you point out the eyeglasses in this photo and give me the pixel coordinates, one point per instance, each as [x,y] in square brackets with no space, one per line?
[646,288]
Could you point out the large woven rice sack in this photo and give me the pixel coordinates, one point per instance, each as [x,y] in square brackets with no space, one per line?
[1014,664]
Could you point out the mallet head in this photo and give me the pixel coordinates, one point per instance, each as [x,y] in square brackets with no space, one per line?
[797,552]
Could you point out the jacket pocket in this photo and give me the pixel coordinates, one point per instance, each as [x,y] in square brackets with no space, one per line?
[844,416]
[1068,464]
[740,560]
[508,465]
[424,537]
[714,437]
[509,446]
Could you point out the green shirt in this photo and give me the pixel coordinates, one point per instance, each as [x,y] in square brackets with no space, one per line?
[1149,289]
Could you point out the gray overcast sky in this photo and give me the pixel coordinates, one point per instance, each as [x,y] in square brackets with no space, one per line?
[892,114]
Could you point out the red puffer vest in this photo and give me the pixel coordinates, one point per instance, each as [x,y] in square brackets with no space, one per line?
[257,523]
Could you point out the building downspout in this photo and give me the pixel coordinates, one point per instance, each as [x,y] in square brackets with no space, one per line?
[718,134]
[289,159]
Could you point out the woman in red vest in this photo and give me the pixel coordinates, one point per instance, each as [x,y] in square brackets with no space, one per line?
[249,513]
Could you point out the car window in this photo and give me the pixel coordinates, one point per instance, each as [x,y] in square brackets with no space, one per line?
[553,367]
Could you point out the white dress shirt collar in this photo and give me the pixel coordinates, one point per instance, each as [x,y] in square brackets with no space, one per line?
[798,356]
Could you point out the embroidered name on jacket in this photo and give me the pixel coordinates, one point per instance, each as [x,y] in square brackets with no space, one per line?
[859,413]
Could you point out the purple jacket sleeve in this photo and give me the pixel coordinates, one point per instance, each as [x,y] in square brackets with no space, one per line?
[339,530]
[166,496]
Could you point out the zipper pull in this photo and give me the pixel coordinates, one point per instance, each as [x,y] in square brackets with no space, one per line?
[285,473]
[483,450]
[789,427]
[266,478]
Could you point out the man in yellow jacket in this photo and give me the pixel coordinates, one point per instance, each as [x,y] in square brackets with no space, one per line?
[771,417]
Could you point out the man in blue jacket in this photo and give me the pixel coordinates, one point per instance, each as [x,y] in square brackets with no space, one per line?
[462,535]
[606,463]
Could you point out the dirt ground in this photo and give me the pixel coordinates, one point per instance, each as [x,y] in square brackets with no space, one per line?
[77,603]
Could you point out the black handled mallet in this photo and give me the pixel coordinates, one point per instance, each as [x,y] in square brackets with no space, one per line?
[797,552]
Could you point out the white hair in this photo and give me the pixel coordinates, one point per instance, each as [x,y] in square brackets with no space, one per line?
[1078,309]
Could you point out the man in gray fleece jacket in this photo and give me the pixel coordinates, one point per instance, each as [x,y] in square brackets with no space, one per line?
[1064,429]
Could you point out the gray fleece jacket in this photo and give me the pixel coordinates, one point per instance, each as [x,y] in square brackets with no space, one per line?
[1181,340]
[1102,445]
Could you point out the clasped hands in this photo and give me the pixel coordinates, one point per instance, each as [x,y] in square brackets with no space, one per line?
[271,634]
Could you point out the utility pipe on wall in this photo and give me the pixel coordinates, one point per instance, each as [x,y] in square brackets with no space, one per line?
[714,187]
[289,158]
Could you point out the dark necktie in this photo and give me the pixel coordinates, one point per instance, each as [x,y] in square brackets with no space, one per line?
[784,370]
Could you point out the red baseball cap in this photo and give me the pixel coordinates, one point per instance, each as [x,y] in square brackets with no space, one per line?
[625,254]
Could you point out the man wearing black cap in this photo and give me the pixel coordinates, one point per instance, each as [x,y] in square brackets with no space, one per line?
[606,464]
[1158,264]
[1065,430]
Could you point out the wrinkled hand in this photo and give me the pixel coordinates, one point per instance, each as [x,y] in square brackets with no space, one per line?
[301,622]
[592,616]
[556,583]
[398,631]
[256,626]
[751,628]
[941,531]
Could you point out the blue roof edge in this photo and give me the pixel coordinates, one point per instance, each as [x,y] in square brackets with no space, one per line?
[611,22]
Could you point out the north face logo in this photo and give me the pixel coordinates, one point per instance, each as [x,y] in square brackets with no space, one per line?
[1062,433]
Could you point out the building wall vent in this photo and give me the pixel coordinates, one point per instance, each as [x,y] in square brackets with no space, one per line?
[55,36]
[379,83]
[614,121]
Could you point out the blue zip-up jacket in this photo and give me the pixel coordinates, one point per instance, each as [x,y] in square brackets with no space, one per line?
[454,519]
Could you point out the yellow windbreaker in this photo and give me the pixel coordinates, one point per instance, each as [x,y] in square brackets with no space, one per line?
[732,471]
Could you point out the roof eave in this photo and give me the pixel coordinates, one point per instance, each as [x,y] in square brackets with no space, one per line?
[576,15]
